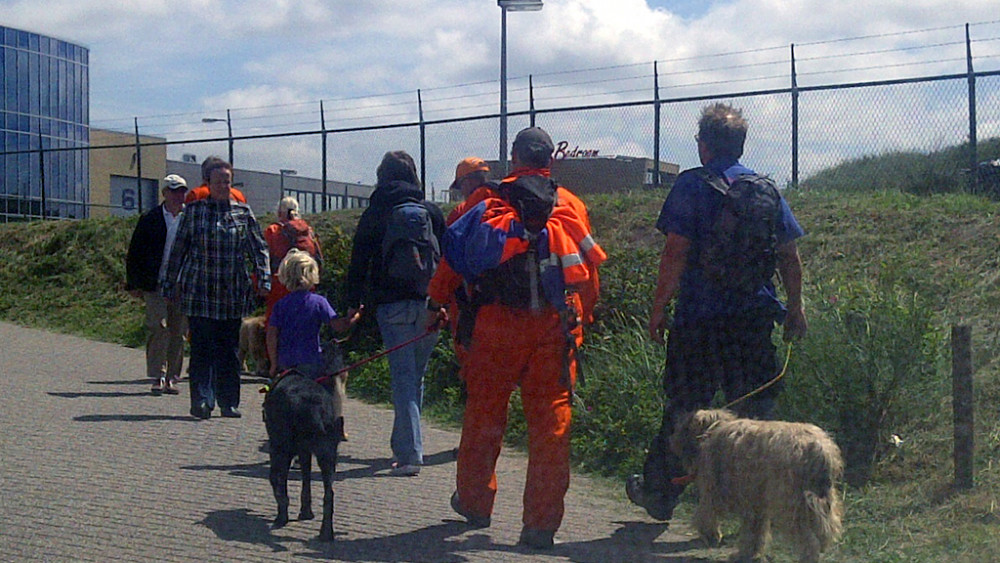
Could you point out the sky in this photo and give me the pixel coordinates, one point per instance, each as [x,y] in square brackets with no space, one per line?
[168,63]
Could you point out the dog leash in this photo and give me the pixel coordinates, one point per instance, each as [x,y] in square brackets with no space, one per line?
[784,368]
[430,330]
[687,479]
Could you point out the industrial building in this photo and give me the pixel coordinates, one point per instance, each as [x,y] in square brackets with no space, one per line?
[44,105]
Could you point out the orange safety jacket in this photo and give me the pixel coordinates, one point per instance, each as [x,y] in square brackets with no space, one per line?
[491,233]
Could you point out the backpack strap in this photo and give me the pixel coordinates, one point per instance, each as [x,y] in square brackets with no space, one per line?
[712,179]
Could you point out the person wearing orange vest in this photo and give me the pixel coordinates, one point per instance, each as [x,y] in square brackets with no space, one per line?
[202,191]
[279,242]
[471,183]
[531,264]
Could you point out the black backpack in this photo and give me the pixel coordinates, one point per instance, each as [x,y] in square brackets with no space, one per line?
[533,197]
[739,252]
[517,281]
[410,251]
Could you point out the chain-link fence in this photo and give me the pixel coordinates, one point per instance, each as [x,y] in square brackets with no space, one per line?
[795,132]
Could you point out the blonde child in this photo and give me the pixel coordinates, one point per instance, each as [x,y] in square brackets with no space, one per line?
[296,320]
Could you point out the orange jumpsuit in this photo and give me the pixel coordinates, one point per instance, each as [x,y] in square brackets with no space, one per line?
[514,347]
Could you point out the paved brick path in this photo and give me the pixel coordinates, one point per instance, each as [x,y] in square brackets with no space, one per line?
[94,468]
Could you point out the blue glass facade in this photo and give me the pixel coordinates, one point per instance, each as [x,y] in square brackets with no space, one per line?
[44,105]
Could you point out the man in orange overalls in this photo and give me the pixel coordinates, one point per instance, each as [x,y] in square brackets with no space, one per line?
[532,274]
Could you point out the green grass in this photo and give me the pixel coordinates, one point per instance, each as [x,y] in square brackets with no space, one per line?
[903,265]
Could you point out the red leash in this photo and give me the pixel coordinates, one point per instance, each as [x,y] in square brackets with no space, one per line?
[430,330]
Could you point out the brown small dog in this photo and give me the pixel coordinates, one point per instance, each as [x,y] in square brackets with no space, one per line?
[766,472]
[253,345]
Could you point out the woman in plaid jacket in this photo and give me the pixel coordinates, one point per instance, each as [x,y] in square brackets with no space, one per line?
[209,274]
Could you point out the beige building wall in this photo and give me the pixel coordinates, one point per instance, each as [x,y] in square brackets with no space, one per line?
[120,163]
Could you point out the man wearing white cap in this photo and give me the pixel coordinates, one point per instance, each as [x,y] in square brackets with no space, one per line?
[147,256]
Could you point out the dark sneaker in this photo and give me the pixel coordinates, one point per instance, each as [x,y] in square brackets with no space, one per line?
[231,412]
[170,387]
[657,506]
[404,470]
[158,386]
[536,539]
[471,519]
[201,410]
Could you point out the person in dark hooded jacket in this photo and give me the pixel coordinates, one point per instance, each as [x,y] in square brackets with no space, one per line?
[400,306]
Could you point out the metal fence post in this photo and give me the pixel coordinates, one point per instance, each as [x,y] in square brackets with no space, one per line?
[322,125]
[423,143]
[962,403]
[531,99]
[138,168]
[41,175]
[795,123]
[656,126]
[973,150]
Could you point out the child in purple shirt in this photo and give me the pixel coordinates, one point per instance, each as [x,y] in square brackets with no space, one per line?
[293,330]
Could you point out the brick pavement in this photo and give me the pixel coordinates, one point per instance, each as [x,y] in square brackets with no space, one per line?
[94,468]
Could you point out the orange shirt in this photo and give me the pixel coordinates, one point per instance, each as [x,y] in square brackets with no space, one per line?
[201,192]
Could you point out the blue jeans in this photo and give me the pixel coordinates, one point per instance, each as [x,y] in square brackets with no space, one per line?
[399,322]
[215,367]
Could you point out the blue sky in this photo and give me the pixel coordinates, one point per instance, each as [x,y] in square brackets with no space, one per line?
[682,8]
[171,62]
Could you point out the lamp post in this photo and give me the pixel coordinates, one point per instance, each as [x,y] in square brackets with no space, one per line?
[505,6]
[282,173]
[229,128]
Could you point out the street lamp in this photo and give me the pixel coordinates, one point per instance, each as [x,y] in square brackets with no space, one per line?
[505,6]
[229,127]
[282,173]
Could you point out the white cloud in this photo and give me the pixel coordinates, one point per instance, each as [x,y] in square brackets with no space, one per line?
[172,61]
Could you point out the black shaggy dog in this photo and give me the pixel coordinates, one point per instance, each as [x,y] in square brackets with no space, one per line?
[300,417]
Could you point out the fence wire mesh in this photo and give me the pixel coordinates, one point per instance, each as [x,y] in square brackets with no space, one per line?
[795,134]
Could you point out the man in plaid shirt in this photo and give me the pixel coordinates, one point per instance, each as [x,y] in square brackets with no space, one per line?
[209,273]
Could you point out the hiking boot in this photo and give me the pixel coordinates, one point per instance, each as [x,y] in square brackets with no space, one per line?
[171,387]
[158,386]
[471,519]
[536,539]
[657,506]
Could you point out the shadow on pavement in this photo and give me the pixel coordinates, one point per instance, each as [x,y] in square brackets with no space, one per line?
[636,539]
[241,526]
[132,418]
[632,542]
[379,467]
[426,544]
[258,470]
[100,394]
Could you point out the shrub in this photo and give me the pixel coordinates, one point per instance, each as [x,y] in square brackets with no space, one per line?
[872,363]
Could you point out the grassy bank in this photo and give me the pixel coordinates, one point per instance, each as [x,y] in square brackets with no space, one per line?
[887,275]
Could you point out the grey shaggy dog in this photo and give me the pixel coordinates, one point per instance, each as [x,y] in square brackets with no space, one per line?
[768,473]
